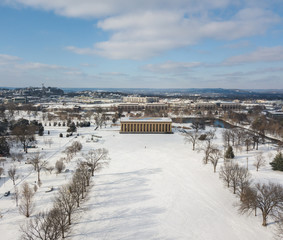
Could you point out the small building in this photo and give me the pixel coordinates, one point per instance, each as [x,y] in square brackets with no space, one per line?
[134,99]
[146,125]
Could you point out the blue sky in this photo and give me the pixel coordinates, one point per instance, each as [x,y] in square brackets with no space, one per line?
[149,43]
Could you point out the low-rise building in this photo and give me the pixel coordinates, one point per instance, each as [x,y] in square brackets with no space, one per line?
[133,99]
[146,125]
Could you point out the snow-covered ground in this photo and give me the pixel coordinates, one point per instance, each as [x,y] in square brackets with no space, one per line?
[155,187]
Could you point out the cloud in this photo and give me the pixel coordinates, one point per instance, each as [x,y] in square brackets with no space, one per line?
[171,67]
[17,66]
[143,29]
[250,73]
[8,59]
[146,34]
[106,8]
[265,54]
[39,66]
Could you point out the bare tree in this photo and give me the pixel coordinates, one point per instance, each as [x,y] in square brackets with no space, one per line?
[50,142]
[77,146]
[99,119]
[248,200]
[26,205]
[60,218]
[96,158]
[38,164]
[25,135]
[192,137]
[83,176]
[17,156]
[16,196]
[214,157]
[244,181]
[235,169]
[226,135]
[279,227]
[60,166]
[76,188]
[259,161]
[49,169]
[69,152]
[41,227]
[66,202]
[268,198]
[12,173]
[247,141]
[1,171]
[225,173]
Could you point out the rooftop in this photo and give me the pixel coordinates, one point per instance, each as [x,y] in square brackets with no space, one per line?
[145,119]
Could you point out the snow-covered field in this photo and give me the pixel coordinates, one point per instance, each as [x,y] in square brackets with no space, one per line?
[155,187]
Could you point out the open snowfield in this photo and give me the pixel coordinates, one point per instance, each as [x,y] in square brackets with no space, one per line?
[155,187]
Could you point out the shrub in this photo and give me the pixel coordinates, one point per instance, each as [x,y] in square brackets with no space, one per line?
[59,166]
[202,137]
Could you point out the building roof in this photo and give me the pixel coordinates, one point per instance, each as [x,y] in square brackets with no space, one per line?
[145,119]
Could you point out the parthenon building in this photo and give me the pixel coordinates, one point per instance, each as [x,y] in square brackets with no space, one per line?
[146,125]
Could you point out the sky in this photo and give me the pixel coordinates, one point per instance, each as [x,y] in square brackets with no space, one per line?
[142,43]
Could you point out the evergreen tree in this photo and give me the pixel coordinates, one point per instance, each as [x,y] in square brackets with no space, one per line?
[72,128]
[229,152]
[4,147]
[277,163]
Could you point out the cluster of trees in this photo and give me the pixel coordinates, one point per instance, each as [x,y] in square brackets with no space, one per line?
[259,122]
[24,132]
[72,150]
[267,197]
[56,223]
[100,119]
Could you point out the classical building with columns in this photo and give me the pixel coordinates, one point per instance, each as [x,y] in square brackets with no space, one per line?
[146,125]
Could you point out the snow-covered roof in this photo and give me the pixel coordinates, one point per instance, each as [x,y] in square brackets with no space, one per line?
[145,119]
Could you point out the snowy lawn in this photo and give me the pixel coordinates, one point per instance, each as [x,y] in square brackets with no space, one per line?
[156,187]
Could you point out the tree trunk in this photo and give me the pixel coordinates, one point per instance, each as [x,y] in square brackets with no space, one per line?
[69,217]
[264,217]
[38,176]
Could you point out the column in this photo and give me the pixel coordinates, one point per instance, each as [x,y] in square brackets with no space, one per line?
[170,127]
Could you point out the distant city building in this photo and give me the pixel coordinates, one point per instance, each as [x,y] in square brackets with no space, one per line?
[275,114]
[156,106]
[230,106]
[19,100]
[140,99]
[205,106]
[130,107]
[146,125]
